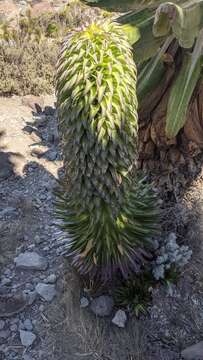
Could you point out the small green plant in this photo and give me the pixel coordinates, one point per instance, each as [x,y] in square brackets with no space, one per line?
[135,293]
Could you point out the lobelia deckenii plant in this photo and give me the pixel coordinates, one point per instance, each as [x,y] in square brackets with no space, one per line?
[108,212]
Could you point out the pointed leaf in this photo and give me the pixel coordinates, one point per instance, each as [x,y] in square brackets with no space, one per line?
[183,88]
[184,22]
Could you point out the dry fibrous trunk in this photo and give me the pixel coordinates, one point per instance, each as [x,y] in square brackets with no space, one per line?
[165,156]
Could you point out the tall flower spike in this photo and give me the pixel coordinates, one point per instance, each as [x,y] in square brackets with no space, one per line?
[106,214]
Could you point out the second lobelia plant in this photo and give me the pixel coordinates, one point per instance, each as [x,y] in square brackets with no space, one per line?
[108,212]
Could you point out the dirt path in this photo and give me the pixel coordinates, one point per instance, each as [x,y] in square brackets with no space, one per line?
[52,325]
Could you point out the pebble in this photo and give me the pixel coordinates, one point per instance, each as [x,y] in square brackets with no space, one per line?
[120,319]
[4,334]
[7,211]
[194,352]
[14,328]
[29,129]
[38,239]
[51,155]
[46,291]
[49,110]
[41,308]
[32,295]
[27,357]
[6,281]
[31,261]
[84,302]
[27,338]
[102,305]
[2,324]
[51,279]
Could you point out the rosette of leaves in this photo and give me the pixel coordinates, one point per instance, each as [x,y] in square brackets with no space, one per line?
[107,212]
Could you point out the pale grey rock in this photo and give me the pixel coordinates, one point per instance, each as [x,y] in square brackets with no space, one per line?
[28,325]
[14,328]
[27,338]
[7,211]
[31,261]
[2,324]
[51,279]
[41,308]
[84,302]
[46,291]
[38,239]
[27,357]
[4,334]
[120,319]
[51,155]
[32,295]
[102,305]
[194,352]
[6,281]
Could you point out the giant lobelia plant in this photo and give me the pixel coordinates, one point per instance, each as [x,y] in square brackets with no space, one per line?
[108,212]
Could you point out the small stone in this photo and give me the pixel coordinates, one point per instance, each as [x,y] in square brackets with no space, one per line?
[31,261]
[51,279]
[14,328]
[49,110]
[41,308]
[32,295]
[37,239]
[84,302]
[7,211]
[2,324]
[102,305]
[50,155]
[47,292]
[7,272]
[28,129]
[194,352]
[4,334]
[120,319]
[6,282]
[27,338]
[27,357]
[28,325]
[29,286]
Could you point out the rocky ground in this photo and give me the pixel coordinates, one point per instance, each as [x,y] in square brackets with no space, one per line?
[44,313]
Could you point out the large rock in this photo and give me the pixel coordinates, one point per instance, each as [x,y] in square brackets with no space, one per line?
[120,319]
[102,305]
[46,291]
[27,338]
[31,261]
[194,352]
